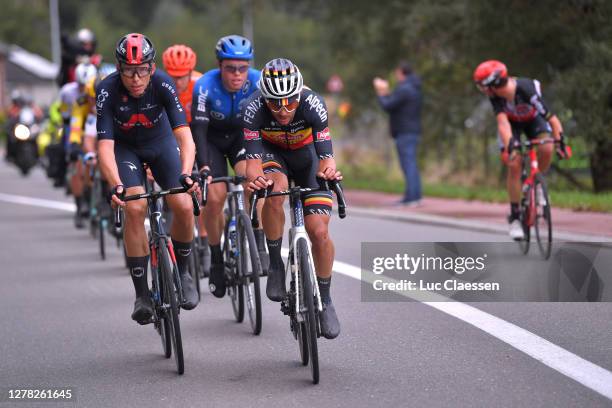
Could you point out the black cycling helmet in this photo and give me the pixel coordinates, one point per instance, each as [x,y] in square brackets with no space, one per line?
[134,49]
[280,79]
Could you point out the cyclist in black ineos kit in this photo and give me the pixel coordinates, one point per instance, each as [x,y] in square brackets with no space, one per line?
[519,108]
[140,119]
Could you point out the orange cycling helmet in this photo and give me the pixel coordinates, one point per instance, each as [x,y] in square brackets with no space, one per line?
[179,60]
[491,73]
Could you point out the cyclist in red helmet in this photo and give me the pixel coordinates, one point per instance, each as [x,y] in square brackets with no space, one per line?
[519,108]
[140,119]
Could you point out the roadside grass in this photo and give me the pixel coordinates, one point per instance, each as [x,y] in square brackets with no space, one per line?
[377,179]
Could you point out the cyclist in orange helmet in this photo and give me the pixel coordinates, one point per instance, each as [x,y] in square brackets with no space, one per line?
[519,108]
[179,62]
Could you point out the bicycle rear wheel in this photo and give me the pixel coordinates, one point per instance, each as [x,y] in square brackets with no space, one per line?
[310,318]
[543,221]
[250,269]
[170,298]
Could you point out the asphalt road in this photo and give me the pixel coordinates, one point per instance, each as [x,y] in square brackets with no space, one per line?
[65,322]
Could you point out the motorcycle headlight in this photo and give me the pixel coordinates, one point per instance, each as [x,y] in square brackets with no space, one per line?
[22,132]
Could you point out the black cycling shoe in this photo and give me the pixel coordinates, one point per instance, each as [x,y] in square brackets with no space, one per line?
[330,326]
[190,292]
[216,282]
[78,220]
[275,287]
[143,310]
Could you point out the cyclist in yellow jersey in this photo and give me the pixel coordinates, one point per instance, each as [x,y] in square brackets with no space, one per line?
[81,107]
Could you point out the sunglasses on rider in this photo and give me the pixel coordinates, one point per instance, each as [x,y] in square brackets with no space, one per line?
[235,68]
[131,72]
[288,104]
[482,88]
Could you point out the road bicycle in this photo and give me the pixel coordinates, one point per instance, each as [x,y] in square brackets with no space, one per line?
[166,291]
[242,264]
[100,215]
[303,301]
[535,202]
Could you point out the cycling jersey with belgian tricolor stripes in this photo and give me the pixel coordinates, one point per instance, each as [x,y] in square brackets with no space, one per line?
[309,125]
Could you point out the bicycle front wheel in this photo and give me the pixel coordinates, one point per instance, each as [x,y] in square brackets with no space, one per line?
[101,232]
[170,301]
[194,267]
[524,218]
[250,269]
[543,221]
[234,286]
[163,318]
[310,318]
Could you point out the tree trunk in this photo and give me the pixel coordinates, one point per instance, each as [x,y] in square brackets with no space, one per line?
[601,166]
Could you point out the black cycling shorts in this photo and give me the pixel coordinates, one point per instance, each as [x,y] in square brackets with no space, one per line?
[301,166]
[221,147]
[162,157]
[532,129]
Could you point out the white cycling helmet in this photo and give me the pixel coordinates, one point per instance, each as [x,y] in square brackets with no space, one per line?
[280,79]
[84,73]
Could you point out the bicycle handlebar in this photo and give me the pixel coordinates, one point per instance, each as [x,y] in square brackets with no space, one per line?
[154,195]
[333,185]
[536,142]
[203,180]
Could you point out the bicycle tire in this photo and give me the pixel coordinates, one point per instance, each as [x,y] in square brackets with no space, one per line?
[163,327]
[102,243]
[524,218]
[93,224]
[298,328]
[194,268]
[250,276]
[543,221]
[170,294]
[310,320]
[234,287]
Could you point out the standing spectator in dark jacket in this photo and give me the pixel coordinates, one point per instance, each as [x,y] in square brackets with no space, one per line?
[404,108]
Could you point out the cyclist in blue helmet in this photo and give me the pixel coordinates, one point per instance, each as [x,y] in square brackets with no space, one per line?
[216,126]
[234,47]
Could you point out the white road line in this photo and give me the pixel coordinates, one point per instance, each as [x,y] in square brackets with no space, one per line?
[37,202]
[569,364]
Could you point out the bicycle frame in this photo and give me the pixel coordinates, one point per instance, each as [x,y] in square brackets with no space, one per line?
[297,232]
[529,180]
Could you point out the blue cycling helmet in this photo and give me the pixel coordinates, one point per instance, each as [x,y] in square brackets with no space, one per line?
[234,47]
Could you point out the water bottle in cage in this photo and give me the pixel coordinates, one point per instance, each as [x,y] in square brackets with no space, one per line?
[232,234]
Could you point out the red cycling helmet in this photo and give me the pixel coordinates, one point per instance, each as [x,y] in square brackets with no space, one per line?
[491,73]
[134,49]
[179,60]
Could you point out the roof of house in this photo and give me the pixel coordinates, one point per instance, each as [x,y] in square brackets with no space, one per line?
[33,63]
